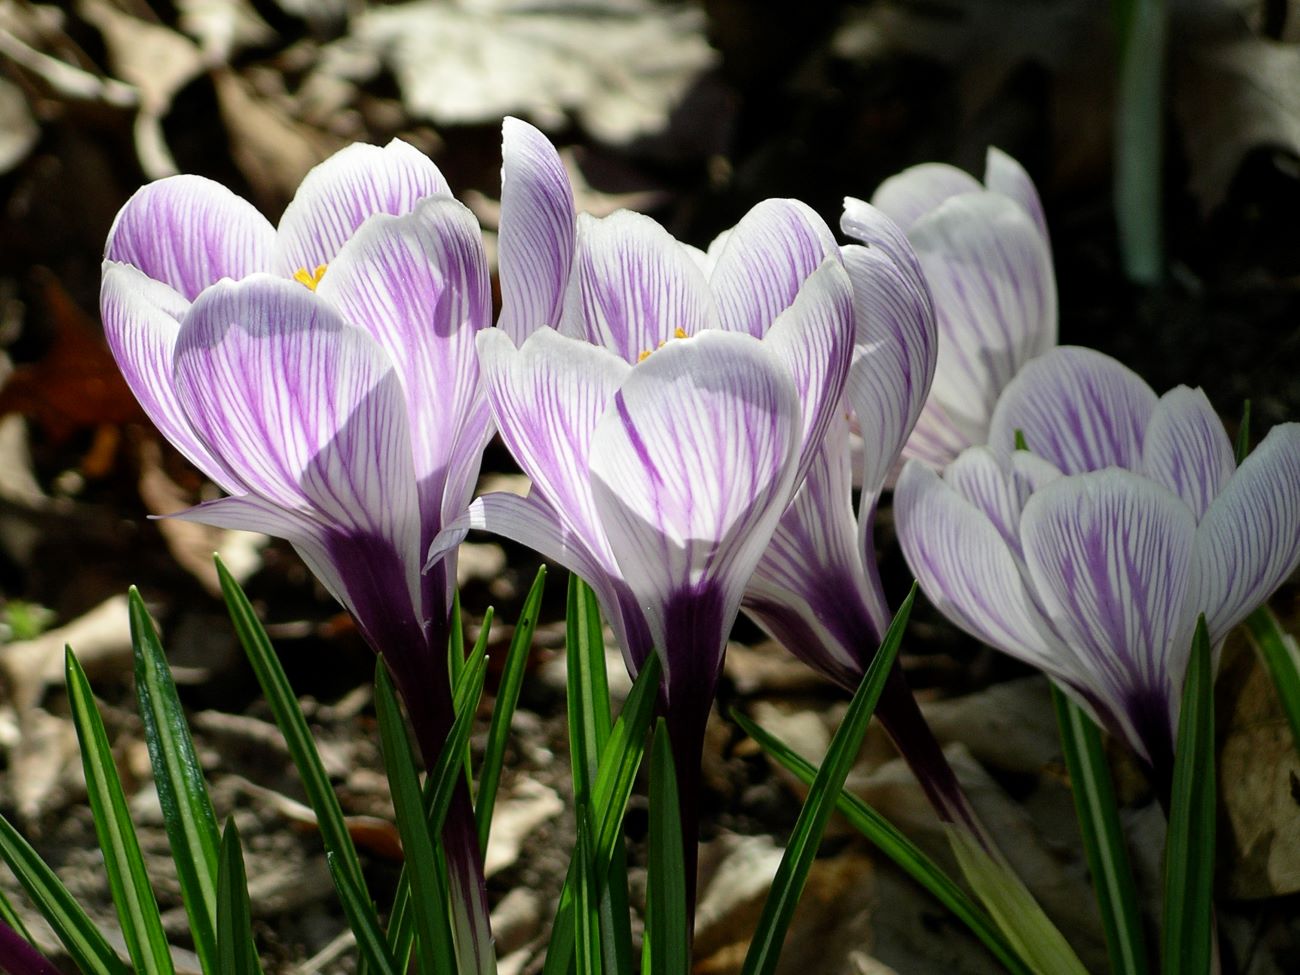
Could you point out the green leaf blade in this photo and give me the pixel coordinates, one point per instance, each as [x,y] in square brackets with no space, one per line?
[667,936]
[371,943]
[236,950]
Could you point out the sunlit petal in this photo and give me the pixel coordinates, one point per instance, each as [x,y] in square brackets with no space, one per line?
[909,195]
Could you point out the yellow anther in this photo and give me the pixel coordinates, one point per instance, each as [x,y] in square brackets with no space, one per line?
[309,279]
[678,333]
[645,354]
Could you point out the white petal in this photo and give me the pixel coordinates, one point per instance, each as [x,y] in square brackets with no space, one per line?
[1187,450]
[909,195]
[1003,174]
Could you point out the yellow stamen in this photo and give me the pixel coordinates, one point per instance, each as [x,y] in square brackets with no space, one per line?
[645,354]
[309,279]
[678,333]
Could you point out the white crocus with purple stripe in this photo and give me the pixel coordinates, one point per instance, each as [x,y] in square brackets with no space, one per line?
[1091,554]
[987,258]
[324,374]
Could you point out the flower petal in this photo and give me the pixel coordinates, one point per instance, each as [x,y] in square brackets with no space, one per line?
[1110,555]
[814,338]
[1187,450]
[1003,174]
[535,241]
[1249,540]
[691,468]
[419,284]
[909,195]
[994,292]
[305,409]
[548,397]
[765,260]
[1081,410]
[981,477]
[967,571]
[634,286]
[875,228]
[141,322]
[339,195]
[190,232]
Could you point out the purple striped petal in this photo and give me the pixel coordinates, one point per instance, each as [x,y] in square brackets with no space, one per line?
[994,293]
[1003,174]
[1081,410]
[935,439]
[983,478]
[339,195]
[303,406]
[190,232]
[967,571]
[764,261]
[547,398]
[911,194]
[419,284]
[814,338]
[535,241]
[875,228]
[691,468]
[1110,555]
[893,362]
[634,286]
[1187,450]
[141,322]
[1249,540]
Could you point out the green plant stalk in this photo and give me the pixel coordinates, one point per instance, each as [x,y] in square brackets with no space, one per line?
[371,943]
[236,950]
[1103,837]
[666,949]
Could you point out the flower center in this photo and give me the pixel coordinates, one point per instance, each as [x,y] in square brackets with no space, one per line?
[309,279]
[678,333]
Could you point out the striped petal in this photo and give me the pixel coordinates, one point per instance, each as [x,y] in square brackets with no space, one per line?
[814,338]
[1249,540]
[634,286]
[909,195]
[1003,174]
[547,398]
[994,293]
[691,467]
[1187,450]
[189,232]
[419,284]
[337,197]
[141,322]
[1081,410]
[305,409]
[536,237]
[1110,555]
[764,261]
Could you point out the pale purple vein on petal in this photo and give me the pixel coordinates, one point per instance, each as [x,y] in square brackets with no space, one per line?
[535,241]
[1187,450]
[190,232]
[1003,174]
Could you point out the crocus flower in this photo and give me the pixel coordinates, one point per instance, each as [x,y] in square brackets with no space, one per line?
[987,259]
[324,375]
[1090,554]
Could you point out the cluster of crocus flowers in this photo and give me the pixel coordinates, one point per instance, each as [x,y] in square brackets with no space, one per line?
[1091,553]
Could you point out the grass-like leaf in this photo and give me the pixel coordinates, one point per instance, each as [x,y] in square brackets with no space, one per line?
[1281,656]
[236,950]
[293,725]
[586,903]
[433,940]
[667,947]
[1103,837]
[86,946]
[10,917]
[619,762]
[182,793]
[371,943]
[796,862]
[128,881]
[895,845]
[512,680]
[1189,845]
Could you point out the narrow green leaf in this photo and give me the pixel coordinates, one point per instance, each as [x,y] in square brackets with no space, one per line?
[1242,447]
[236,950]
[1281,655]
[85,945]
[589,727]
[10,917]
[586,904]
[128,881]
[1013,908]
[512,680]
[371,943]
[619,762]
[1189,845]
[667,936]
[433,941]
[787,886]
[1103,837]
[455,639]
[895,845]
[293,725]
[182,793]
